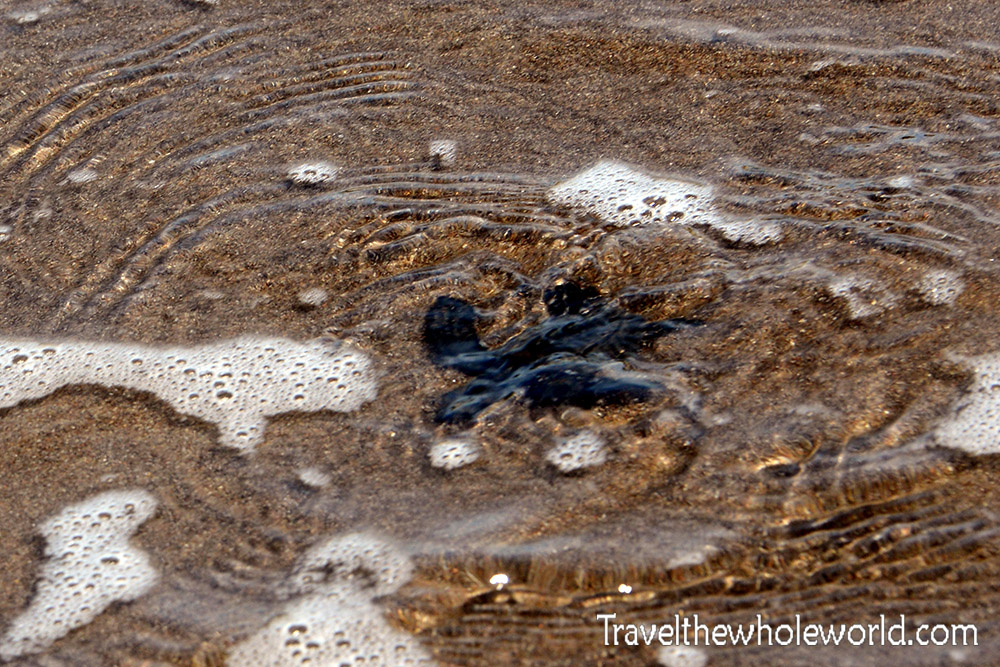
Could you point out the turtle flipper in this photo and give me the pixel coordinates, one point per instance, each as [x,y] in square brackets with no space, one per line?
[451,337]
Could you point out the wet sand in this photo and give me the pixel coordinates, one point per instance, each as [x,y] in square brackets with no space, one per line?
[144,158]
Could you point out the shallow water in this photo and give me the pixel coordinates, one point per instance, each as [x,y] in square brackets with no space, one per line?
[787,463]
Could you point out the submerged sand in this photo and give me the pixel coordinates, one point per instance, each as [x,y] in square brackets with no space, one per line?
[785,469]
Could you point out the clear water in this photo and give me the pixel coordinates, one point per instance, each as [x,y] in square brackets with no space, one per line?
[785,465]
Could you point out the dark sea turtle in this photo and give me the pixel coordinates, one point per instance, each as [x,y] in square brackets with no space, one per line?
[562,360]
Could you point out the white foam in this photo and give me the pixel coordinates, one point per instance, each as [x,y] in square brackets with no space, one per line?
[332,628]
[863,296]
[372,562]
[90,565]
[315,478]
[334,619]
[454,453]
[681,656]
[310,174]
[235,384]
[583,450]
[940,287]
[623,196]
[975,425]
[28,16]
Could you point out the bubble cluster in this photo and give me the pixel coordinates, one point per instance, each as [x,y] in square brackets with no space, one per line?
[314,478]
[940,287]
[333,618]
[310,174]
[583,450]
[28,16]
[368,560]
[90,565]
[975,426]
[625,197]
[234,384]
[454,453]
[863,296]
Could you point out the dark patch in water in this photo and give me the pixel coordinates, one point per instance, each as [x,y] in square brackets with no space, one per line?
[559,361]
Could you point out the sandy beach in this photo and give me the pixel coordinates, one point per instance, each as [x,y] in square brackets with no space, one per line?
[797,455]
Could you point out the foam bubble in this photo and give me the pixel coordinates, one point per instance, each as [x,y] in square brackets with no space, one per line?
[28,16]
[940,287]
[90,565]
[749,230]
[623,196]
[334,620]
[454,453]
[583,450]
[975,426]
[315,478]
[310,174]
[370,561]
[863,296]
[235,384]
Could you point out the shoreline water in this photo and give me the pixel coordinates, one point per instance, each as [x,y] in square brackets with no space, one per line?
[787,460]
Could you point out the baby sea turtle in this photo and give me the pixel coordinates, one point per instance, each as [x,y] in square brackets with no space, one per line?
[563,360]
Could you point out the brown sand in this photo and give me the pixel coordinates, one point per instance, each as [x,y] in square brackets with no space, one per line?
[793,468]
